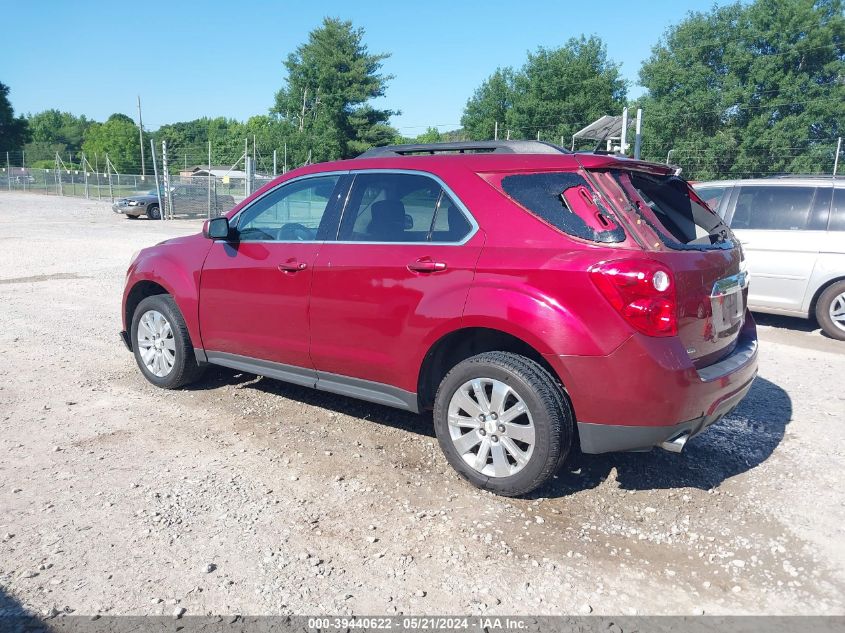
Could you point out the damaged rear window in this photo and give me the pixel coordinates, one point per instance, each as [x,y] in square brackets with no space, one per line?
[566,201]
[674,211]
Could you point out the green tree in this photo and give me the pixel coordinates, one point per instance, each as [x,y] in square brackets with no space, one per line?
[557,92]
[14,131]
[748,89]
[330,80]
[117,137]
[490,104]
[54,131]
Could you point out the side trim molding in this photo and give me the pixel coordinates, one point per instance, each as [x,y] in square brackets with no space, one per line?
[370,391]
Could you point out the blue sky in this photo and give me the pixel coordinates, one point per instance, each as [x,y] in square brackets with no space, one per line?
[216,58]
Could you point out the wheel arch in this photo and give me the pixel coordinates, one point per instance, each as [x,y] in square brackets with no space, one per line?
[460,344]
[814,301]
[137,293]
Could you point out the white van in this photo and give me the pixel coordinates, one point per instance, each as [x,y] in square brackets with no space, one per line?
[792,230]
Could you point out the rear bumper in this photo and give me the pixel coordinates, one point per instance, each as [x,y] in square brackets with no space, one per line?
[608,438]
[647,392]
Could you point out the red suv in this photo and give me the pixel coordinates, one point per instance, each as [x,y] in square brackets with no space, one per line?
[534,299]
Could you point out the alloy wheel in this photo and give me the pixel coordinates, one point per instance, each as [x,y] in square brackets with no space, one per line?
[491,427]
[837,311]
[156,344]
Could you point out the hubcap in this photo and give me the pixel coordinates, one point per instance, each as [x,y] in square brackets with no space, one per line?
[837,311]
[156,344]
[491,427]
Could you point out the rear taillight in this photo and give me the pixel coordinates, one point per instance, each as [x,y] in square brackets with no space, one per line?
[642,291]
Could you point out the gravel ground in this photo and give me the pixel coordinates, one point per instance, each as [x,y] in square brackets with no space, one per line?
[246,495]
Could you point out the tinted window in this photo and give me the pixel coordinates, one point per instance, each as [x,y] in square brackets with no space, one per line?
[711,195]
[821,209]
[837,211]
[773,208]
[387,207]
[290,213]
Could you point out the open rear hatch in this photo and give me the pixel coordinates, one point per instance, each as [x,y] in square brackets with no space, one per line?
[677,229]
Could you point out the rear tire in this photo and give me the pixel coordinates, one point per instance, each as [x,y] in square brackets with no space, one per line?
[514,437]
[162,345]
[830,310]
[153,212]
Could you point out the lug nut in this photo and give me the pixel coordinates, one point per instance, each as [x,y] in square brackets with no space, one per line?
[501,428]
[494,438]
[482,432]
[494,416]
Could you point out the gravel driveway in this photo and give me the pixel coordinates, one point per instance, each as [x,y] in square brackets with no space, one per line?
[246,495]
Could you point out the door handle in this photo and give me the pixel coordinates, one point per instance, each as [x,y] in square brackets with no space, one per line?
[292,266]
[426,265]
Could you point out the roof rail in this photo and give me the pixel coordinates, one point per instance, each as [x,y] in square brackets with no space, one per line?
[466,147]
[807,176]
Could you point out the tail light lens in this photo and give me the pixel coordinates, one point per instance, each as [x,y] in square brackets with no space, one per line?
[642,291]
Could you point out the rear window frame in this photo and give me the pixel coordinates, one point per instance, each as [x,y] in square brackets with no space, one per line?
[666,238]
[612,237]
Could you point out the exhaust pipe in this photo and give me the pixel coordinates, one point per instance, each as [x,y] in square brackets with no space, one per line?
[677,443]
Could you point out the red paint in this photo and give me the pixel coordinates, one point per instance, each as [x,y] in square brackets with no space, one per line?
[374,311]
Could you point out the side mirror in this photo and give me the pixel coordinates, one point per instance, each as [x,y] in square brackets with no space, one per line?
[216,228]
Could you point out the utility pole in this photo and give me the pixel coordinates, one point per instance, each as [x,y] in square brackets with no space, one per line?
[274,163]
[109,170]
[623,145]
[285,168]
[59,173]
[496,132]
[302,118]
[209,179]
[8,172]
[638,139]
[835,160]
[82,162]
[97,171]
[165,173]
[141,138]
[158,187]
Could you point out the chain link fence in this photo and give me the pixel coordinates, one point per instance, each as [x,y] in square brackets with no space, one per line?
[181,195]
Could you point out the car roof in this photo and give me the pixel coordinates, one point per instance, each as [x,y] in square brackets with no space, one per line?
[776,181]
[488,162]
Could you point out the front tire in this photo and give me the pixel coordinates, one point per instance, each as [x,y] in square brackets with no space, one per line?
[162,345]
[153,212]
[830,310]
[503,422]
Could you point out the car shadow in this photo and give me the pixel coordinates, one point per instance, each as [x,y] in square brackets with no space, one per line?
[216,377]
[786,322]
[15,617]
[730,447]
[733,446]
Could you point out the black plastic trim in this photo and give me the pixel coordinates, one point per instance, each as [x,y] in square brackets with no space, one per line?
[463,147]
[368,390]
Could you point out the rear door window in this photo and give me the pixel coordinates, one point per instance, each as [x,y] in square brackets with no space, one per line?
[773,208]
[393,207]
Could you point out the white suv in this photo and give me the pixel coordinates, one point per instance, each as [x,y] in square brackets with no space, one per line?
[792,230]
